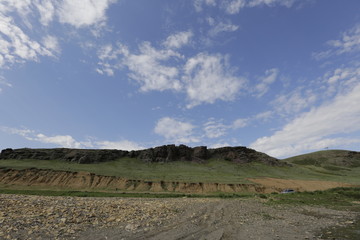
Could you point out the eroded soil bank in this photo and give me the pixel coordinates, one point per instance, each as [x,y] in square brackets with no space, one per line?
[39,217]
[89,181]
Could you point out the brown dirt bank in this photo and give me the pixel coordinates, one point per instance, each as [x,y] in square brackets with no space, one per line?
[89,181]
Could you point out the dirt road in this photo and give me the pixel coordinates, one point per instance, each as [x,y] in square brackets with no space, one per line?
[35,217]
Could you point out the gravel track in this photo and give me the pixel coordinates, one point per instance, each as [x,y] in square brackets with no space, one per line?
[39,217]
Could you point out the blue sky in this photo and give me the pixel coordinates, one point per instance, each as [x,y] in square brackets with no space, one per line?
[278,76]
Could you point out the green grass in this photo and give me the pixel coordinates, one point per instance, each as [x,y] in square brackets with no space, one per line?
[69,193]
[339,198]
[219,171]
[340,158]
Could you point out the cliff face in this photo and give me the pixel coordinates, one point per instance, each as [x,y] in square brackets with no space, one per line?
[166,153]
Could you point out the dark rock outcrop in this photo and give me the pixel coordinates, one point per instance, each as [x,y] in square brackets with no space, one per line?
[66,154]
[166,153]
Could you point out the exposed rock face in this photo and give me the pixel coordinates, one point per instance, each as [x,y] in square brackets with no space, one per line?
[166,153]
[66,154]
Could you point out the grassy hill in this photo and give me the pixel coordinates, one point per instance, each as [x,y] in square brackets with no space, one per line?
[211,171]
[328,159]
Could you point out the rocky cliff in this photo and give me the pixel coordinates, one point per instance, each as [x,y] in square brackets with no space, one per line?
[166,153]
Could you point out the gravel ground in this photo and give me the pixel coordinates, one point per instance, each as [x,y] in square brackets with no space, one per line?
[39,217]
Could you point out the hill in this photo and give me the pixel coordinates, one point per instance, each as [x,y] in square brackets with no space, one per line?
[328,159]
[173,168]
[166,153]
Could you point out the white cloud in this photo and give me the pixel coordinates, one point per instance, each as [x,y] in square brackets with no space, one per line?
[294,101]
[240,123]
[214,129]
[31,135]
[233,6]
[270,3]
[16,46]
[18,18]
[220,145]
[46,10]
[198,4]
[269,78]
[61,140]
[178,40]
[147,68]
[17,131]
[121,145]
[175,130]
[67,141]
[341,80]
[348,43]
[52,44]
[313,130]
[3,82]
[209,78]
[219,27]
[204,78]
[83,13]
[264,116]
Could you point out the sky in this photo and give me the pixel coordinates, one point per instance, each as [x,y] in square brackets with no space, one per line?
[278,76]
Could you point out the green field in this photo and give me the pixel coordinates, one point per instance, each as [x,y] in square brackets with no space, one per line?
[213,170]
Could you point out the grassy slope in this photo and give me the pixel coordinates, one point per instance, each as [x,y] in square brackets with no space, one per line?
[219,171]
[338,158]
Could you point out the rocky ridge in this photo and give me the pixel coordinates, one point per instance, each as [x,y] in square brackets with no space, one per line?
[166,153]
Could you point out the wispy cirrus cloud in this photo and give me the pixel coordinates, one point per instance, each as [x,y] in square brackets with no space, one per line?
[234,6]
[178,39]
[220,26]
[215,129]
[263,86]
[321,126]
[349,42]
[198,4]
[294,101]
[3,82]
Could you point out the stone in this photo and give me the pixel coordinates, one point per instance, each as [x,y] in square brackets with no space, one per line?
[131,227]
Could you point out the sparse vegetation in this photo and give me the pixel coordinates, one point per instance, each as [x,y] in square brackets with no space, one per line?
[340,158]
[340,198]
